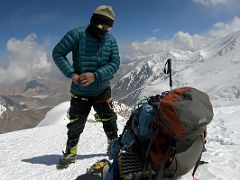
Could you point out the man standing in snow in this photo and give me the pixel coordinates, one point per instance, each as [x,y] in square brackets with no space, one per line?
[95,58]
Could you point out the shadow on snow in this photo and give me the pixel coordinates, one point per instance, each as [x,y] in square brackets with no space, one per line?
[53,159]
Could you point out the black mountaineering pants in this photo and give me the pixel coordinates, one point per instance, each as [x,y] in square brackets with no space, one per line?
[80,108]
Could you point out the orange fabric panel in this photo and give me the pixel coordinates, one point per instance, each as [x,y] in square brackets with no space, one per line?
[168,112]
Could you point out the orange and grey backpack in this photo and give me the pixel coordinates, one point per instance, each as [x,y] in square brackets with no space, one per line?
[169,132]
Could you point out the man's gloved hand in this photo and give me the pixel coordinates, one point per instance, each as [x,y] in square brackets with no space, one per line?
[87,78]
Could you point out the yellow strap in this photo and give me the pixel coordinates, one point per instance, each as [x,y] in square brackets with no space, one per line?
[77,97]
[99,119]
[73,119]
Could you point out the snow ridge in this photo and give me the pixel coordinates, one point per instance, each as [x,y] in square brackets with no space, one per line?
[214,69]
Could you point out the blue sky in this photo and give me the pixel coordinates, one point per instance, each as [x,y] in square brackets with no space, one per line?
[30,28]
[135,19]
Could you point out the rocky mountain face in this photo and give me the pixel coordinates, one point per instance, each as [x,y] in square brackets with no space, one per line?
[26,103]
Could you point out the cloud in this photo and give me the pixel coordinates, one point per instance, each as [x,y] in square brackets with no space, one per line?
[185,41]
[26,59]
[128,51]
[213,2]
[181,40]
[221,29]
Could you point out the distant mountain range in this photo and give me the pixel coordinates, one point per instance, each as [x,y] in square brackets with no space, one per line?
[213,69]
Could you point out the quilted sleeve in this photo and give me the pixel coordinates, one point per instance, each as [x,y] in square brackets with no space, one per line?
[60,51]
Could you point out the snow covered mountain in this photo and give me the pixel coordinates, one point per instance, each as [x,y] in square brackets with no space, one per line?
[32,154]
[213,69]
[222,46]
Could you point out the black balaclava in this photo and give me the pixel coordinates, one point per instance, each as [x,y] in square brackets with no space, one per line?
[95,20]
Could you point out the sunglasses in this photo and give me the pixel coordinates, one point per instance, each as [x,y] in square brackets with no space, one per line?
[104,27]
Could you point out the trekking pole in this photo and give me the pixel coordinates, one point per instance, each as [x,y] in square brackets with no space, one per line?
[168,70]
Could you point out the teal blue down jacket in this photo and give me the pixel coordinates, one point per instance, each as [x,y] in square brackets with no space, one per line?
[88,55]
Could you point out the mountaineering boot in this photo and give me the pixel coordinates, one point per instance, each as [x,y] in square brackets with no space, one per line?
[66,159]
[69,156]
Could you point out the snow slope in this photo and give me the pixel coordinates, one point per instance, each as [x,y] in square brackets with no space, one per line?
[33,153]
[213,69]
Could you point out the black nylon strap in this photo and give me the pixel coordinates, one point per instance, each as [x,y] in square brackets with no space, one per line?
[170,151]
[149,146]
[198,163]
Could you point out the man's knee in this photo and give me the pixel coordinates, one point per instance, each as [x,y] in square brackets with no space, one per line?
[73,114]
[80,108]
[105,117]
[75,128]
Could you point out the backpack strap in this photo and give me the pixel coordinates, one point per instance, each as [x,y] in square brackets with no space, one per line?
[169,152]
[149,146]
[199,162]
